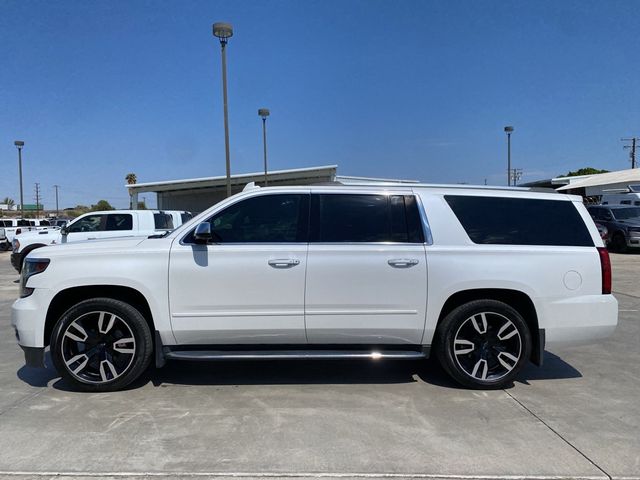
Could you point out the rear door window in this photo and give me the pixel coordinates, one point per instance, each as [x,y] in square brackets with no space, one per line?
[119,221]
[163,221]
[365,218]
[520,221]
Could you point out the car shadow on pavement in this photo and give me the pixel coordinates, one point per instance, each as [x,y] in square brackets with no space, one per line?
[302,372]
[553,368]
[39,377]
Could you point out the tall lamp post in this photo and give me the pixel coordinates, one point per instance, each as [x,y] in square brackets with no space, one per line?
[508,130]
[224,31]
[264,113]
[20,144]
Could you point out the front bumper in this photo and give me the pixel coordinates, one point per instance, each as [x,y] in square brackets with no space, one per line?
[28,317]
[633,242]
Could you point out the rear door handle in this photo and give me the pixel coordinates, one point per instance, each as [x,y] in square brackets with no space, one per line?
[403,262]
[284,263]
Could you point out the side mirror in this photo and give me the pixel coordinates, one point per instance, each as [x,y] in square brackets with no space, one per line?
[202,233]
[64,230]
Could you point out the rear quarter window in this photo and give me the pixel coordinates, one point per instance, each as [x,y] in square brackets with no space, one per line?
[520,221]
[163,221]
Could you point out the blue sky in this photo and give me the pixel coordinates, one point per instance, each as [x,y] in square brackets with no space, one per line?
[405,89]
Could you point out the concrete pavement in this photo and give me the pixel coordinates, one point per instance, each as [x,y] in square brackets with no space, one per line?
[577,417]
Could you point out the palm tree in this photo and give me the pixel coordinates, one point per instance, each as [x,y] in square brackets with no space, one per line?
[8,201]
[131,178]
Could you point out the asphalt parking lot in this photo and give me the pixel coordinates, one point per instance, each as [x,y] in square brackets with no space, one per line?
[577,417]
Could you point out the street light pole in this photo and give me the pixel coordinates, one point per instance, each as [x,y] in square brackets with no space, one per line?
[224,31]
[508,130]
[57,210]
[264,113]
[20,144]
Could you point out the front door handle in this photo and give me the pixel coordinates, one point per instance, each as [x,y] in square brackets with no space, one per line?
[284,263]
[403,262]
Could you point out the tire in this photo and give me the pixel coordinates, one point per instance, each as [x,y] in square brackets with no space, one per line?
[101,345]
[619,243]
[483,344]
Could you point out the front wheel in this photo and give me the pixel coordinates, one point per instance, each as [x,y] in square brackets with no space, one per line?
[483,344]
[619,243]
[101,345]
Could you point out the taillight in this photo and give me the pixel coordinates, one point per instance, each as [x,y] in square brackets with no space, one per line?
[605,268]
[18,231]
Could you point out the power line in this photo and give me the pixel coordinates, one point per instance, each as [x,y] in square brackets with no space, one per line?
[632,147]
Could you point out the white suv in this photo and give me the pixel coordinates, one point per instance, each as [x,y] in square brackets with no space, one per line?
[481,277]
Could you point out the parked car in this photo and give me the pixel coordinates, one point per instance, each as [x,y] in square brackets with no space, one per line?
[14,226]
[622,222]
[374,272]
[604,233]
[98,225]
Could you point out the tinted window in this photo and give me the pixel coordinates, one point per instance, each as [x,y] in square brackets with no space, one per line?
[90,223]
[185,217]
[44,223]
[119,221]
[4,224]
[262,219]
[520,221]
[163,221]
[626,213]
[365,218]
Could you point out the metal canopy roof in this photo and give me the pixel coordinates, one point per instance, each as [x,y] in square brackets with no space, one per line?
[241,179]
[622,176]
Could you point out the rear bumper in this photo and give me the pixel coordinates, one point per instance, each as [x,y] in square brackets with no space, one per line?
[579,320]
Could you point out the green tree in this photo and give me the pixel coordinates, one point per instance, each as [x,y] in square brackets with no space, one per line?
[8,201]
[131,178]
[101,205]
[585,171]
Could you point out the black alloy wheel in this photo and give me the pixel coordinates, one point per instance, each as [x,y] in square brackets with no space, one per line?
[483,344]
[101,344]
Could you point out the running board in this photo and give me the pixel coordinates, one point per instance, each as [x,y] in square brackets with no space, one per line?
[212,355]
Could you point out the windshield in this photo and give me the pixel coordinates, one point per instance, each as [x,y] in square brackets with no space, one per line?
[626,213]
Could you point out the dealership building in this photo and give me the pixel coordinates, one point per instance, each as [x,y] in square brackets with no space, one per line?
[198,194]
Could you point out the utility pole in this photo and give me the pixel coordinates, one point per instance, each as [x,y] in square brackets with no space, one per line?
[516,174]
[37,200]
[57,210]
[632,147]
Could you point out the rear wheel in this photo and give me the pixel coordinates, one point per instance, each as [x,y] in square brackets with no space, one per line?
[483,344]
[101,345]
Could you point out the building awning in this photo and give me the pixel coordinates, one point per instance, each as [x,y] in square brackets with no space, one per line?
[622,176]
[289,175]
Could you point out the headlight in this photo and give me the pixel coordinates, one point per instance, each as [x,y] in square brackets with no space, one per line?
[634,229]
[31,267]
[16,245]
